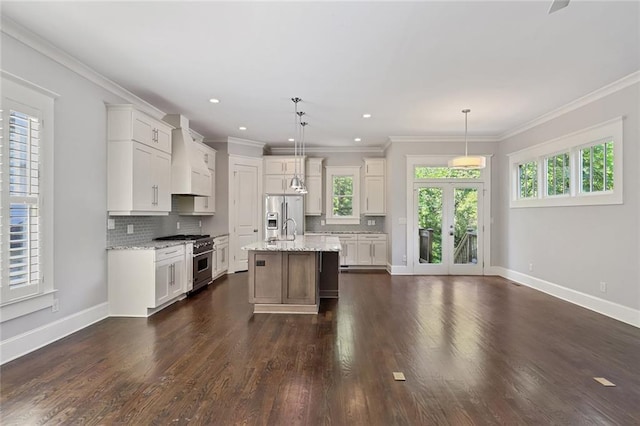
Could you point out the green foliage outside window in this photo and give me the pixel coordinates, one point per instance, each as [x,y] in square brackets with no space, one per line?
[558,174]
[528,179]
[424,172]
[430,216]
[343,196]
[597,167]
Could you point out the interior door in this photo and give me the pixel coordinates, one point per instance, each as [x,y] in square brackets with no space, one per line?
[246,210]
[448,237]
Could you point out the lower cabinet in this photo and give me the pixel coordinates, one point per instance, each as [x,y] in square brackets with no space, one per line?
[222,256]
[363,250]
[141,281]
[283,277]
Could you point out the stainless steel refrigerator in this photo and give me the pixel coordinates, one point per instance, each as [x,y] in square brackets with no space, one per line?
[283,214]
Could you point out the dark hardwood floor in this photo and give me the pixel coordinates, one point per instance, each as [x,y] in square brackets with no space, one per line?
[474,350]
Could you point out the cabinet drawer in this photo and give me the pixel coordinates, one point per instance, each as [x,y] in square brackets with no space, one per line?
[221,240]
[347,237]
[375,237]
[168,252]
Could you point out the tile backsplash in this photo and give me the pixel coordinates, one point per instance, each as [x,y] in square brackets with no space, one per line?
[312,224]
[146,228]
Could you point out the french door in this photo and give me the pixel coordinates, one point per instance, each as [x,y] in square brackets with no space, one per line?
[448,232]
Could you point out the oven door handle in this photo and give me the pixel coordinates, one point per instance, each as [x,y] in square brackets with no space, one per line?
[203,253]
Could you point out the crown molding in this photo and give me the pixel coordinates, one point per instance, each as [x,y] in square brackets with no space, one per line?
[34,41]
[329,149]
[245,142]
[438,139]
[597,94]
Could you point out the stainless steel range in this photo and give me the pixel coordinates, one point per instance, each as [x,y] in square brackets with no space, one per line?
[203,252]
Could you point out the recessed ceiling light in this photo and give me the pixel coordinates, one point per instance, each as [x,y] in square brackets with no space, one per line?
[357,139]
[291,140]
[242,128]
[366,115]
[214,101]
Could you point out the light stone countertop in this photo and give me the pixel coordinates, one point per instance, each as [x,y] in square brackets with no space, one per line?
[150,245]
[301,243]
[342,232]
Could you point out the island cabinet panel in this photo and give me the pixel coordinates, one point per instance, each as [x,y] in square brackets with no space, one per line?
[300,278]
[265,277]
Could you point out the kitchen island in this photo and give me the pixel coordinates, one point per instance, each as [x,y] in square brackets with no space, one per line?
[292,276]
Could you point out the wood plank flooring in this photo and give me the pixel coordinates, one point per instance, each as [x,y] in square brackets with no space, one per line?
[474,350]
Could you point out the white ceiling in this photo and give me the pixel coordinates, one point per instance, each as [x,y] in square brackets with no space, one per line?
[413,66]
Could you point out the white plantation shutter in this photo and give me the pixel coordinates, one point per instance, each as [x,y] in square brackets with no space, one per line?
[21,254]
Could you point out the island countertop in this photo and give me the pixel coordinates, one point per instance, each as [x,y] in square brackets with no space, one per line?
[301,243]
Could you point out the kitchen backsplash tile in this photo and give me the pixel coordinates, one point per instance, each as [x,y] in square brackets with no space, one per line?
[146,228]
[312,224]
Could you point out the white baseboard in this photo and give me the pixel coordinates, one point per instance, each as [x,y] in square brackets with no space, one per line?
[398,269]
[24,343]
[613,310]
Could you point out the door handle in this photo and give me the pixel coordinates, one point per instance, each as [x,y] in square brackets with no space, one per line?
[255,230]
[451,230]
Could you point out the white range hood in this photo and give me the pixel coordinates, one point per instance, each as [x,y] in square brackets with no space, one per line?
[189,173]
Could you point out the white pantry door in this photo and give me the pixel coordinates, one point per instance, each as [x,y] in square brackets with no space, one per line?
[245,208]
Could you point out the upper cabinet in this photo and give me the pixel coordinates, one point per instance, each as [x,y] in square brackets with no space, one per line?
[313,180]
[374,187]
[278,171]
[138,163]
[201,206]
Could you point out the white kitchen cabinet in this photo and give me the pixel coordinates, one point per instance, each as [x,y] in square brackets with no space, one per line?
[143,281]
[278,172]
[313,205]
[201,206]
[138,163]
[349,253]
[188,266]
[374,196]
[222,255]
[372,249]
[313,199]
[374,187]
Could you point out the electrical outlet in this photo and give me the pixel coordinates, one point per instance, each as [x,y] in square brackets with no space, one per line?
[530,267]
[200,223]
[55,307]
[111,224]
[129,229]
[177,225]
[603,287]
[404,258]
[322,222]
[373,221]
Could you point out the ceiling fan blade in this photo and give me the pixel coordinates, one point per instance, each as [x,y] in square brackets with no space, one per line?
[557,5]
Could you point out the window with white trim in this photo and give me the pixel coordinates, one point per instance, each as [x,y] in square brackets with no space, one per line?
[582,168]
[528,180]
[558,173]
[23,174]
[343,195]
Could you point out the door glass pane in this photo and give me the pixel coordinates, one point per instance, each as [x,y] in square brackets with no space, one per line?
[465,232]
[430,225]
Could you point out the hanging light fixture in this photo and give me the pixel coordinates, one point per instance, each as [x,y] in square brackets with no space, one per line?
[295,180]
[468,161]
[303,187]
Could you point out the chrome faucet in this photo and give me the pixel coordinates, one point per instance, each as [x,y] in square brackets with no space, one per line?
[285,228]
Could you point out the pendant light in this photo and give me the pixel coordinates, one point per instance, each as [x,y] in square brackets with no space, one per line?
[468,161]
[295,180]
[303,187]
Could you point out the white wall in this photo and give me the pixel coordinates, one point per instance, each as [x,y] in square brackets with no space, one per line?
[80,191]
[577,247]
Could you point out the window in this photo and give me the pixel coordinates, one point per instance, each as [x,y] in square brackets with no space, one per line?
[596,168]
[343,195]
[528,180]
[582,168]
[25,176]
[427,172]
[558,174]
